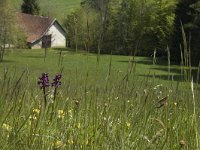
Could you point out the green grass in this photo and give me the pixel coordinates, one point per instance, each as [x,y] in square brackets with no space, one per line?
[34,60]
[57,8]
[97,106]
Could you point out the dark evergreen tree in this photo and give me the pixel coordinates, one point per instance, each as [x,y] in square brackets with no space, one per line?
[186,16]
[30,7]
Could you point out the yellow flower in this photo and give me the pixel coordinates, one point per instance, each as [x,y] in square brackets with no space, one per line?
[6,127]
[33,117]
[70,141]
[61,114]
[58,144]
[70,113]
[36,111]
[128,124]
[78,125]
[86,142]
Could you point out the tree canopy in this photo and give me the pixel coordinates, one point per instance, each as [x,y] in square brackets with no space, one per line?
[187,17]
[30,7]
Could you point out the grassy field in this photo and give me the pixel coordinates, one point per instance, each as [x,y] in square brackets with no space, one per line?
[56,8]
[99,105]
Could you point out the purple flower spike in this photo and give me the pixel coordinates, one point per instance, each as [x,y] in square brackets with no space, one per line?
[56,81]
[44,80]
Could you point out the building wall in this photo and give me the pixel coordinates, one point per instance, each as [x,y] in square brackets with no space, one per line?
[58,37]
[37,45]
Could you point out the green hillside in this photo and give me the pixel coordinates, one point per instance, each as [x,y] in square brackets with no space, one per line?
[56,8]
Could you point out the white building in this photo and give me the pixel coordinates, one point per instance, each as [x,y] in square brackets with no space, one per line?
[42,31]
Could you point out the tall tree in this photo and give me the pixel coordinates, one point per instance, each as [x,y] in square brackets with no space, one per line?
[102,7]
[30,7]
[186,16]
[7,27]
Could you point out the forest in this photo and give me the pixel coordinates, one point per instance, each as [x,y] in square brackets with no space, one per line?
[125,27]
[136,27]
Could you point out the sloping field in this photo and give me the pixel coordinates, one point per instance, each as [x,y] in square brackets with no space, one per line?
[56,8]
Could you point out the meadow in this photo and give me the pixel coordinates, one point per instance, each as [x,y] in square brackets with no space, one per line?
[56,8]
[113,102]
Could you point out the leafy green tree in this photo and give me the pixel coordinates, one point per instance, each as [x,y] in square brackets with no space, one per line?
[187,14]
[7,27]
[30,7]
[158,26]
[123,26]
[82,29]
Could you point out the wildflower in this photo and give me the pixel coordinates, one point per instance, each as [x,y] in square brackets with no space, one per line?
[70,141]
[145,91]
[58,144]
[175,104]
[173,128]
[86,142]
[70,113]
[78,125]
[44,80]
[111,124]
[104,118]
[128,124]
[157,86]
[56,81]
[106,104]
[33,117]
[51,96]
[182,143]
[118,121]
[36,111]
[61,114]
[6,127]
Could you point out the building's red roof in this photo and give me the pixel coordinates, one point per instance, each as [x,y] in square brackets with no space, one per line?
[34,26]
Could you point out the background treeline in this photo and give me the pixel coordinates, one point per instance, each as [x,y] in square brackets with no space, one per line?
[123,26]
[127,27]
[136,27]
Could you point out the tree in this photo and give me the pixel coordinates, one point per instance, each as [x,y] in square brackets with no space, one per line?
[186,16]
[102,8]
[7,27]
[30,7]
[158,26]
[126,27]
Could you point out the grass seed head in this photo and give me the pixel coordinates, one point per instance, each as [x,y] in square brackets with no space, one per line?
[182,143]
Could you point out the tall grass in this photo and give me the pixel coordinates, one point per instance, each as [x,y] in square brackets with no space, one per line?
[122,113]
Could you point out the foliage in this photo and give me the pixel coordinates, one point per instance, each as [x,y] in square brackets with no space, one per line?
[7,27]
[187,15]
[130,26]
[30,7]
[82,29]
[96,110]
